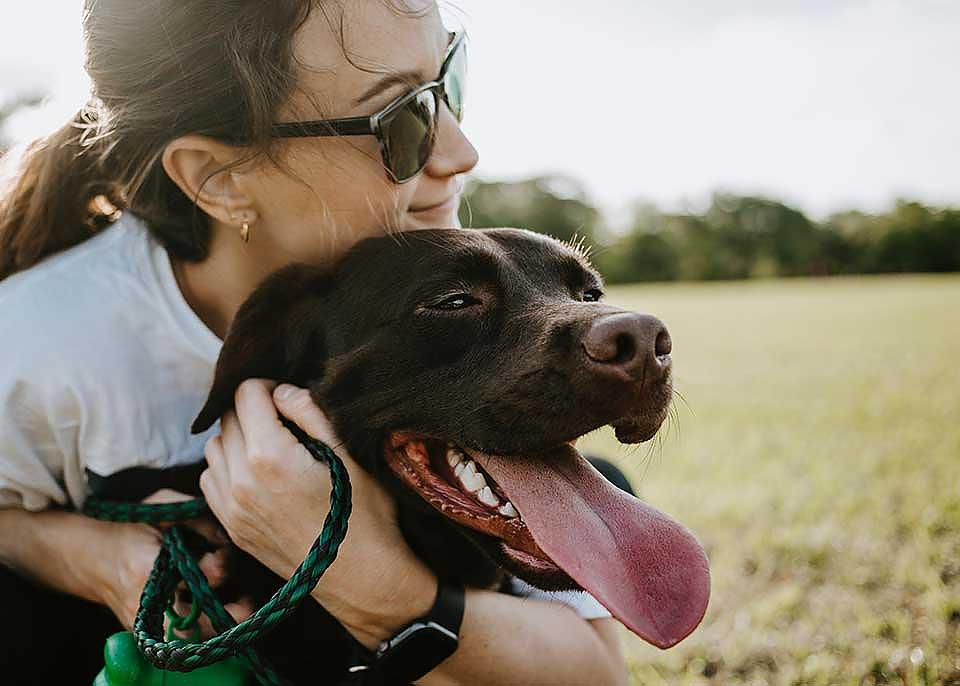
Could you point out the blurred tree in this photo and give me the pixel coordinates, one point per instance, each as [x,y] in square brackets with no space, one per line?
[917,239]
[643,257]
[554,205]
[737,237]
[762,231]
[644,253]
[11,106]
[910,238]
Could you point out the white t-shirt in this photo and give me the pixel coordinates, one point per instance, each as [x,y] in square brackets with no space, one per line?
[103,367]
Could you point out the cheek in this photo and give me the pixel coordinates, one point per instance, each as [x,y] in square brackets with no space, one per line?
[345,176]
[331,194]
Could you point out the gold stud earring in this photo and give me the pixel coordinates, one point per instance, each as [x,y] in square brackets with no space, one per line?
[245,232]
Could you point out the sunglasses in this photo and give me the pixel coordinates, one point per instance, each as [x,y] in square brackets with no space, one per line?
[407,127]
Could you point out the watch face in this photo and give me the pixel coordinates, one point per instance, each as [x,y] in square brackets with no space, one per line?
[417,650]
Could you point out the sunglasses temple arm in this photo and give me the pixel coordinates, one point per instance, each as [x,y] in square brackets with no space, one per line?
[353,126]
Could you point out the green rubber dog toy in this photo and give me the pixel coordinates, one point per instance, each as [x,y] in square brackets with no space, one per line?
[125,666]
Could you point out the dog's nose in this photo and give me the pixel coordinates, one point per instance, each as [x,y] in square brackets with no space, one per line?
[637,344]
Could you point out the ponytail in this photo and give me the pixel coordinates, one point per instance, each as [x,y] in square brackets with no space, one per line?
[158,70]
[59,197]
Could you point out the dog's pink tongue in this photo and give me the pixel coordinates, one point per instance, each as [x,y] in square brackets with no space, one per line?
[648,570]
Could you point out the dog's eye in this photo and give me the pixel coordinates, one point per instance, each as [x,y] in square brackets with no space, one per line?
[457,301]
[592,295]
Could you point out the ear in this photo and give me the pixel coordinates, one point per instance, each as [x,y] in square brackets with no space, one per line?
[276,335]
[198,165]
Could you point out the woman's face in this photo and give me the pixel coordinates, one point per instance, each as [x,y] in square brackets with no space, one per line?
[335,191]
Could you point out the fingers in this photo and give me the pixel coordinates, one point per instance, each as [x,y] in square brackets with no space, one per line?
[167,495]
[209,529]
[213,565]
[257,414]
[253,428]
[164,496]
[232,441]
[215,479]
[240,610]
[296,405]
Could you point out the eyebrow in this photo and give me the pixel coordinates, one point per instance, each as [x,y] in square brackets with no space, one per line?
[405,78]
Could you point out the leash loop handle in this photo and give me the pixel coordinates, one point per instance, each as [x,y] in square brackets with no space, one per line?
[175,564]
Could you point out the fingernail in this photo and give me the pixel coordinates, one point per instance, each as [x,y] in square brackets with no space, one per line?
[284,391]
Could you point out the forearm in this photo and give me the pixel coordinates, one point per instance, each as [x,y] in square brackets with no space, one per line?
[503,639]
[53,547]
[508,640]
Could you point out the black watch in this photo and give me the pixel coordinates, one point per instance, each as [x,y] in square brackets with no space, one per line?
[424,644]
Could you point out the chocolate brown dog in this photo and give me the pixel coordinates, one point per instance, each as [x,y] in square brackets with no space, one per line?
[457,366]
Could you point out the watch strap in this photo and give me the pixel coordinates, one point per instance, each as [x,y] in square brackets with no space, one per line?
[441,623]
[447,610]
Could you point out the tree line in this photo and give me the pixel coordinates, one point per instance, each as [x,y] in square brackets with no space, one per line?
[736,237]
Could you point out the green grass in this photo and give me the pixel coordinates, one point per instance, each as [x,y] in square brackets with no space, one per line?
[817,458]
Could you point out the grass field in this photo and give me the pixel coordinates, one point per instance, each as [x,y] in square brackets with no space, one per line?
[817,458]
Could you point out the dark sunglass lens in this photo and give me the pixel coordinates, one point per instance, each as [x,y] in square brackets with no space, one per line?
[409,136]
[454,82]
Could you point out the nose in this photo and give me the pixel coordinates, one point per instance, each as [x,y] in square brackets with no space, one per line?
[453,152]
[637,345]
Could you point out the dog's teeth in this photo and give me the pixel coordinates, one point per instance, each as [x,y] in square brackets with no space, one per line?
[454,457]
[460,469]
[471,479]
[508,510]
[473,482]
[487,497]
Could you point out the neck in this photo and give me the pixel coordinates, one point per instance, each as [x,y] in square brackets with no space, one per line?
[216,287]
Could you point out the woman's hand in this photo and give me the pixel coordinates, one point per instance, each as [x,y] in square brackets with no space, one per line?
[136,547]
[272,497]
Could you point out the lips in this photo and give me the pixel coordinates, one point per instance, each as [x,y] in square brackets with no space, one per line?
[449,203]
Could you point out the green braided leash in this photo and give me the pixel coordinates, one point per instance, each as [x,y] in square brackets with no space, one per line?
[158,513]
[174,563]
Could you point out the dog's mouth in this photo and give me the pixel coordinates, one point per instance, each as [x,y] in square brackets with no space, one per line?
[558,520]
[457,486]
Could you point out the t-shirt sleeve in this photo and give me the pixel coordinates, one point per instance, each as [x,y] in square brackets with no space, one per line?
[37,430]
[31,461]
[580,602]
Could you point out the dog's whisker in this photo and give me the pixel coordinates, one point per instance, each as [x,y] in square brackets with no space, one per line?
[673,420]
[578,243]
[631,452]
[684,401]
[647,461]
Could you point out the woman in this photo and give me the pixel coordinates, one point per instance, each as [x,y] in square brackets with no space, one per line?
[111,341]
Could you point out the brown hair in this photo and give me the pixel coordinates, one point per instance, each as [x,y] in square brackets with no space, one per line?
[160,70]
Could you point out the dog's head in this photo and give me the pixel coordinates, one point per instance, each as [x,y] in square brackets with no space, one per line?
[462,364]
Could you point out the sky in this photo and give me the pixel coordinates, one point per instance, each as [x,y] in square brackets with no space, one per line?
[825,104]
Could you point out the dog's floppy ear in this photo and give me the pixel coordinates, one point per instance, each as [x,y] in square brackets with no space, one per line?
[270,338]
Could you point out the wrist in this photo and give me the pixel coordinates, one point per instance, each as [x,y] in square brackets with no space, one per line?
[376,611]
[53,547]
[95,577]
